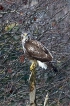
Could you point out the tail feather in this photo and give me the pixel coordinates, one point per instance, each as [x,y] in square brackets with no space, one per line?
[52,66]
[44,65]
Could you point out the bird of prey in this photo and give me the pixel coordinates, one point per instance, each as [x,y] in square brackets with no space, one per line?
[36,51]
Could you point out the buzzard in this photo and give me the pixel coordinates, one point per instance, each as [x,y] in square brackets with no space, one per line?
[35,50]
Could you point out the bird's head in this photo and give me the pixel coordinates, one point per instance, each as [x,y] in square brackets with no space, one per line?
[25,37]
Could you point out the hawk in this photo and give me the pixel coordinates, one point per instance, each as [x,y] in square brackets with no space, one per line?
[36,51]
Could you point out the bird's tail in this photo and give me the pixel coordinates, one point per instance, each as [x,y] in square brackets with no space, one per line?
[52,66]
[49,64]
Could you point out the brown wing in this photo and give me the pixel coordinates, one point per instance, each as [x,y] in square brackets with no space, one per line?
[37,51]
[40,45]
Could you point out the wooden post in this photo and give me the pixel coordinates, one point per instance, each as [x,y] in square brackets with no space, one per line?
[33,83]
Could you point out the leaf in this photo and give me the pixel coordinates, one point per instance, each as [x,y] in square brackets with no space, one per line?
[11,90]
[35,18]
[9,71]
[1,7]
[21,13]
[9,27]
[54,23]
[20,21]
[21,58]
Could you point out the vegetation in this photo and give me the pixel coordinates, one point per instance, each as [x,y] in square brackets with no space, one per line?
[49,22]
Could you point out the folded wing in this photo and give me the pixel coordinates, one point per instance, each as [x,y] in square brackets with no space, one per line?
[38,51]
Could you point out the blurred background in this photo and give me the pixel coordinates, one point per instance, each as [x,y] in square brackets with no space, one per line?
[48,21]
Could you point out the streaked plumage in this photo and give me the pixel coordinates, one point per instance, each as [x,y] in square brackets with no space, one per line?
[37,51]
[34,50]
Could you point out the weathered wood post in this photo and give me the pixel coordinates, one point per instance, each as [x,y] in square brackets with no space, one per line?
[33,84]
